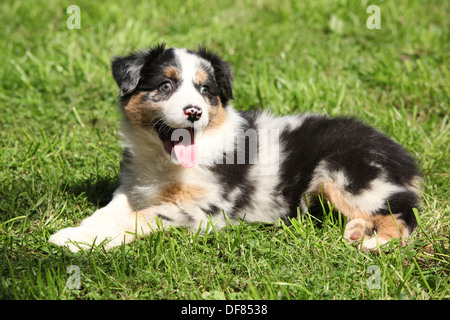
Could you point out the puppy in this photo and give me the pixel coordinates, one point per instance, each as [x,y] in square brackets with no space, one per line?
[190,159]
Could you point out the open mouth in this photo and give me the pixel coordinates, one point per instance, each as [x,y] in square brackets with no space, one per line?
[179,143]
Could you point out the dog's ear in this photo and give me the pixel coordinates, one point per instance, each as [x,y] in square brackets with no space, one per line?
[126,71]
[222,73]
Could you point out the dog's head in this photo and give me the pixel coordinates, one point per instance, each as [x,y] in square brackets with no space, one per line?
[174,93]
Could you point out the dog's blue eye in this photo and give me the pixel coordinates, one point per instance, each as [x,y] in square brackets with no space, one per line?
[166,87]
[204,90]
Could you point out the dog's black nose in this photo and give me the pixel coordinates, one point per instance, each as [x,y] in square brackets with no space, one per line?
[193,112]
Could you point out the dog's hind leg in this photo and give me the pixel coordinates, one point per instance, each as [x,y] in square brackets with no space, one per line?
[377,213]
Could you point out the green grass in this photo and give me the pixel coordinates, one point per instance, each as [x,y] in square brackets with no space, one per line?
[60,154]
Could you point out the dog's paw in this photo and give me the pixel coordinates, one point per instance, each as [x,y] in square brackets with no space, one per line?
[356,229]
[84,237]
[372,244]
[360,232]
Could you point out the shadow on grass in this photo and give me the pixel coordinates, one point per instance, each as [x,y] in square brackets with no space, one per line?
[98,190]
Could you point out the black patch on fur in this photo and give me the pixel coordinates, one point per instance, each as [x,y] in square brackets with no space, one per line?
[152,73]
[346,161]
[126,71]
[215,91]
[161,216]
[189,217]
[142,71]
[346,144]
[212,210]
[235,175]
[127,157]
[403,202]
[222,73]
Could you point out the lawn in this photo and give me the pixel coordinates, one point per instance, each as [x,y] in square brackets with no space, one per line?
[60,154]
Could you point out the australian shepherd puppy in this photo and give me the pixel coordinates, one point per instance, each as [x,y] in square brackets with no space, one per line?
[190,159]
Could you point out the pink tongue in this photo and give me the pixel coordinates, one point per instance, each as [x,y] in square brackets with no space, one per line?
[186,151]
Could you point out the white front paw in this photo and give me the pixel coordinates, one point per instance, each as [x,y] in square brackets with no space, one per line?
[85,237]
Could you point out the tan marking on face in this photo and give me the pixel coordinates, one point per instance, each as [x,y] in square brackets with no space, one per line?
[339,198]
[218,116]
[141,112]
[201,76]
[179,193]
[172,72]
